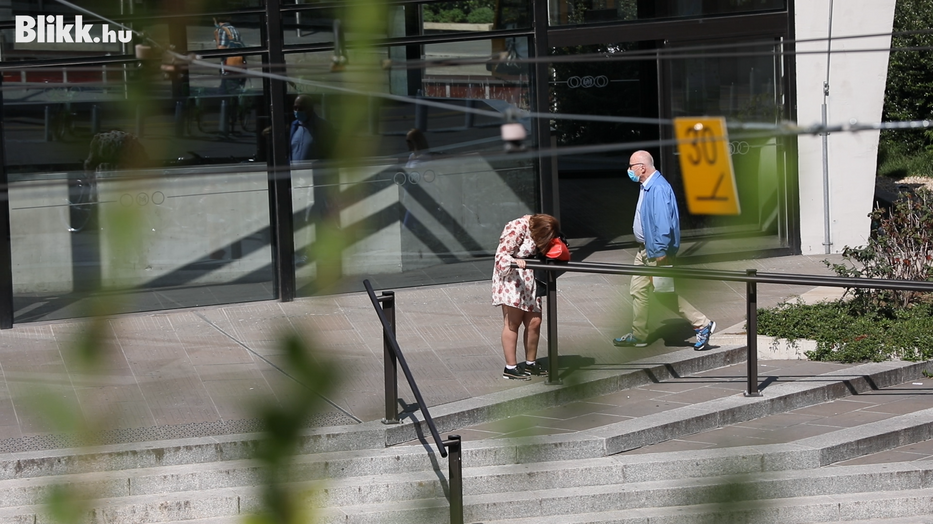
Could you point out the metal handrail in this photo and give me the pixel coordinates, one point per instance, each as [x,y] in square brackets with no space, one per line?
[393,357]
[387,330]
[751,277]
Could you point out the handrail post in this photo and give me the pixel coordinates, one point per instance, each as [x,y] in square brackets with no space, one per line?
[553,370]
[388,330]
[455,479]
[390,361]
[751,312]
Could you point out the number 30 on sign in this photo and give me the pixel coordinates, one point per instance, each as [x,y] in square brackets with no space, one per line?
[709,180]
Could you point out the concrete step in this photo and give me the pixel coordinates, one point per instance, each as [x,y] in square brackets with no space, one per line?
[207,478]
[857,491]
[903,507]
[411,468]
[143,509]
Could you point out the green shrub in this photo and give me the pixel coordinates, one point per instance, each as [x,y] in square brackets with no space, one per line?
[900,247]
[482,15]
[846,333]
[895,160]
[875,325]
[451,16]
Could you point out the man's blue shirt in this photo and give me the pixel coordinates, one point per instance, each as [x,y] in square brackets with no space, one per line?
[660,218]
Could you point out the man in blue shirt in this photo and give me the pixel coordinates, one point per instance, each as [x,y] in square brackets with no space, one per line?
[310,136]
[657,231]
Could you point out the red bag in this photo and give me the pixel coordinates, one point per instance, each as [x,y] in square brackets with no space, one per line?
[558,250]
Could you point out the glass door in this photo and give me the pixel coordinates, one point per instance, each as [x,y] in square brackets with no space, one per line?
[742,82]
[589,83]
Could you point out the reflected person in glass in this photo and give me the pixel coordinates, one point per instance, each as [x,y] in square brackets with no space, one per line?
[310,136]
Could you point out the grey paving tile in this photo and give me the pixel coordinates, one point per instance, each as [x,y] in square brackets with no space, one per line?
[830,409]
[883,457]
[852,418]
[730,436]
[902,406]
[798,431]
[584,422]
[701,394]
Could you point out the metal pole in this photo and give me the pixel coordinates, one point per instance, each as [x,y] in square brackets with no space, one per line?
[224,121]
[455,479]
[827,232]
[553,377]
[95,119]
[179,118]
[281,216]
[421,114]
[47,119]
[6,243]
[751,311]
[468,116]
[390,361]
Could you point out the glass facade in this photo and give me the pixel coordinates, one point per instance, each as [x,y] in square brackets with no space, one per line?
[709,78]
[154,181]
[576,12]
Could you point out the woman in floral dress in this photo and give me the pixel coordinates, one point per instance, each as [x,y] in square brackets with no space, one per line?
[514,289]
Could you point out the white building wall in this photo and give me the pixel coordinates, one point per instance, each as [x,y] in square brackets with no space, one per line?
[856,92]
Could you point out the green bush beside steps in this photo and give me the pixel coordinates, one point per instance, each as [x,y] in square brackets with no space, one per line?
[870,324]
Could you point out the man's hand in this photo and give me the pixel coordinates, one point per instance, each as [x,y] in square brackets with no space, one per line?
[660,258]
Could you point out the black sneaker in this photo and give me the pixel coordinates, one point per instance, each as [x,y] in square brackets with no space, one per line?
[534,370]
[515,374]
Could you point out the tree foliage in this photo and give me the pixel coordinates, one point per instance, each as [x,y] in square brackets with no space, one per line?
[909,94]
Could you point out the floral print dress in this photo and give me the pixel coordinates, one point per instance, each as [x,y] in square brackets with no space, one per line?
[512,286]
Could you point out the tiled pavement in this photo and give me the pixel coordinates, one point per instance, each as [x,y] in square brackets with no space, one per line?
[197,372]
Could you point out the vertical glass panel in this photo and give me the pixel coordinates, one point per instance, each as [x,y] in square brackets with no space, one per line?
[426,207]
[200,33]
[476,15]
[312,26]
[712,82]
[599,81]
[573,12]
[97,149]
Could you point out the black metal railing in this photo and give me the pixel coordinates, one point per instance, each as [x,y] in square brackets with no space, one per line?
[751,277]
[385,309]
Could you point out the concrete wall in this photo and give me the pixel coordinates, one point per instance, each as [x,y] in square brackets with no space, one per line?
[189,227]
[407,218]
[856,92]
[210,225]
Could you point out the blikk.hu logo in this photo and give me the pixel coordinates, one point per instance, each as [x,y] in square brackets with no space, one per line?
[51,29]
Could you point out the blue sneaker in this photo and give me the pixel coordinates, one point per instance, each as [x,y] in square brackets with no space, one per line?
[703,335]
[629,341]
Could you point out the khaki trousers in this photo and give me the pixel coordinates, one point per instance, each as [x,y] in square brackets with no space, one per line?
[641,288]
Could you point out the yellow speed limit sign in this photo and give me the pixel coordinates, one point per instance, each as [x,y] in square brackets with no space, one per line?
[709,180]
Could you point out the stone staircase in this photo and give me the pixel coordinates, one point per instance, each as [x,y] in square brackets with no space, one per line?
[361,474]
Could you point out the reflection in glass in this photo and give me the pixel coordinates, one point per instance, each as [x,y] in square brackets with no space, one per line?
[594,188]
[573,12]
[404,216]
[741,89]
[312,26]
[84,145]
